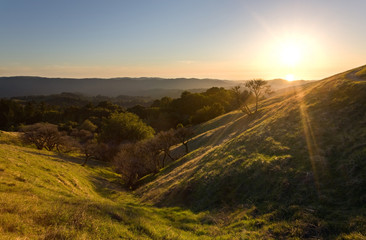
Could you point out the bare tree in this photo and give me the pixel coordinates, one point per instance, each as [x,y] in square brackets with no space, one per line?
[86,142]
[184,135]
[129,162]
[151,149]
[237,93]
[67,143]
[165,140]
[259,88]
[242,98]
[89,149]
[44,135]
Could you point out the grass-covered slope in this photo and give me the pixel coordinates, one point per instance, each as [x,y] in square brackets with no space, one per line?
[47,196]
[300,162]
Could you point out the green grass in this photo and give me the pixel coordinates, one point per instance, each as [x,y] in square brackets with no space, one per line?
[361,73]
[300,162]
[44,195]
[47,196]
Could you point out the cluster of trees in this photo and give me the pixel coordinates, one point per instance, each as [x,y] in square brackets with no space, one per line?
[195,108]
[135,160]
[14,113]
[122,134]
[162,114]
[189,108]
[79,100]
[138,140]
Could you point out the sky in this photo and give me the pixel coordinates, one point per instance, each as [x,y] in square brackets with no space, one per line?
[222,39]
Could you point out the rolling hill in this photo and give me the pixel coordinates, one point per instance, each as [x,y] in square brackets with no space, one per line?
[294,170]
[44,195]
[300,163]
[153,87]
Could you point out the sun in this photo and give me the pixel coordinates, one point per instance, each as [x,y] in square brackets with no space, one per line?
[290,53]
[290,77]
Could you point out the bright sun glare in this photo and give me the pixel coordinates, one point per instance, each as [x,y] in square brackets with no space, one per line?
[290,54]
[290,77]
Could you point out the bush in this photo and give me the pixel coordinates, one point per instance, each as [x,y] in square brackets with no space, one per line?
[122,127]
[88,126]
[135,160]
[45,135]
[129,162]
[208,112]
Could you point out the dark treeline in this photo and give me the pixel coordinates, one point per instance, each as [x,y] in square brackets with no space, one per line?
[78,99]
[190,108]
[14,113]
[70,110]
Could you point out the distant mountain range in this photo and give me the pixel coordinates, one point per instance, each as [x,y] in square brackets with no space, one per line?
[152,87]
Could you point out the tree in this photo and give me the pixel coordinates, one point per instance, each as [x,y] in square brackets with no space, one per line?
[88,126]
[86,141]
[221,96]
[208,112]
[68,126]
[259,88]
[44,135]
[89,149]
[240,95]
[133,162]
[139,110]
[124,127]
[164,141]
[184,135]
[126,163]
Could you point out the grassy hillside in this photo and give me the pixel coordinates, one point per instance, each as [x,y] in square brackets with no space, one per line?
[298,166]
[47,196]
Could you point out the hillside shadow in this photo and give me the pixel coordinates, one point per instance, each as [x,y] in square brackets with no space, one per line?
[215,132]
[218,122]
[59,157]
[282,185]
[229,128]
[188,166]
[63,157]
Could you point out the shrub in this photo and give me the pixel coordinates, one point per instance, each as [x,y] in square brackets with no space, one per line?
[88,126]
[44,135]
[122,127]
[208,112]
[129,163]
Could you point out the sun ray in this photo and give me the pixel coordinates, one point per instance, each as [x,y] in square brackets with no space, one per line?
[316,157]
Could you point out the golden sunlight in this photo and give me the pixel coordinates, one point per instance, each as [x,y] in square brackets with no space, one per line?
[290,77]
[290,53]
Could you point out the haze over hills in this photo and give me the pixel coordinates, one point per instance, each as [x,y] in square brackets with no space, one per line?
[153,87]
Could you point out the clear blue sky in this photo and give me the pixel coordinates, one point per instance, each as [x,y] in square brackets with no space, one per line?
[227,39]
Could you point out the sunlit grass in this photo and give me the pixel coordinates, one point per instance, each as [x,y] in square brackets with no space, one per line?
[302,151]
[47,196]
[361,73]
